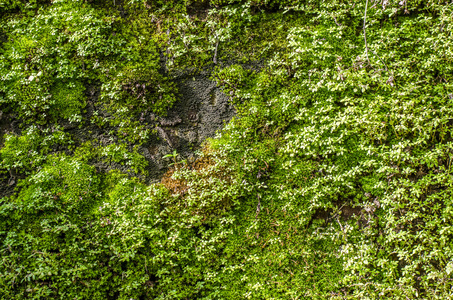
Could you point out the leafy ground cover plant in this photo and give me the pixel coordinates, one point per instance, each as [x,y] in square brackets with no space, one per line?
[333,181]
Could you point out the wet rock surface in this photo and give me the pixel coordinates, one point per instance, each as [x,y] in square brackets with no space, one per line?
[200,112]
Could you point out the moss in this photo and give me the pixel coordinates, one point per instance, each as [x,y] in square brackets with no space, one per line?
[333,180]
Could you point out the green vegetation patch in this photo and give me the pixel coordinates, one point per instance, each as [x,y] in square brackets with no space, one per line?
[332,182]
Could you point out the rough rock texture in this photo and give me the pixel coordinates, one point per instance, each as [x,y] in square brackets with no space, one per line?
[201,111]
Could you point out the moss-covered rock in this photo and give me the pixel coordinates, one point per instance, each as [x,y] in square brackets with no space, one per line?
[331,182]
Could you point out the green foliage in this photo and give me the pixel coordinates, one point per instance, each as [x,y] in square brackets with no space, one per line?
[63,235]
[357,135]
[42,227]
[28,151]
[173,156]
[136,84]
[332,182]
[46,57]
[69,100]
[112,153]
[8,6]
[49,59]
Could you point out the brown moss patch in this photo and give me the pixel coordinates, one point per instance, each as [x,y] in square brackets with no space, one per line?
[180,186]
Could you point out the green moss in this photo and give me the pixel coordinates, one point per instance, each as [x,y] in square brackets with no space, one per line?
[333,181]
[69,99]
[28,151]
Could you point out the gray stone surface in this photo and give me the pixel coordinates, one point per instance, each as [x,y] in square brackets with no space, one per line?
[200,112]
